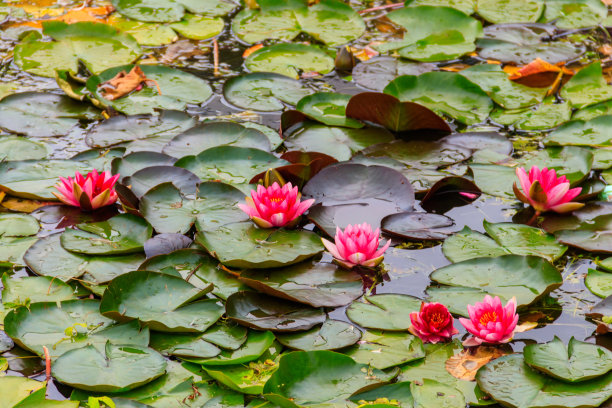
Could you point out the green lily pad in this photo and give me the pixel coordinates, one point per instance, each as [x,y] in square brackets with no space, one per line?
[150,129]
[446,93]
[306,378]
[12,249]
[377,72]
[328,108]
[332,22]
[211,8]
[507,238]
[577,362]
[397,392]
[198,27]
[48,258]
[247,379]
[257,343]
[290,60]
[68,325]
[33,289]
[569,14]
[545,116]
[383,350]
[501,378]
[421,154]
[230,164]
[243,245]
[313,283]
[466,6]
[118,368]
[198,269]
[263,312]
[528,278]
[18,225]
[149,34]
[160,301]
[523,43]
[432,393]
[37,114]
[264,91]
[213,134]
[599,283]
[183,345]
[591,112]
[500,11]
[587,87]
[161,11]
[15,389]
[508,94]
[418,226]
[131,163]
[384,312]
[331,335]
[20,148]
[594,133]
[177,88]
[146,179]
[122,234]
[38,400]
[338,142]
[227,335]
[98,46]
[433,33]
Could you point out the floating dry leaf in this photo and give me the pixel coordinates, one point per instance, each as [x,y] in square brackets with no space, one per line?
[538,74]
[465,364]
[24,205]
[181,50]
[123,83]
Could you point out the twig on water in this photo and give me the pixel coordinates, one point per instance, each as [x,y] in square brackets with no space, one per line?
[385,7]
[216,56]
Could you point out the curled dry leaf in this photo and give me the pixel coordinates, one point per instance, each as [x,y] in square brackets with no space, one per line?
[24,205]
[465,364]
[538,74]
[123,83]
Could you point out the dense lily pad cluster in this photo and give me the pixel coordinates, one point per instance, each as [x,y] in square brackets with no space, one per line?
[291,203]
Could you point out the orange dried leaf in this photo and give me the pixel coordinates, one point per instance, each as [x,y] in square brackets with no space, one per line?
[23,205]
[251,50]
[123,83]
[77,15]
[465,364]
[539,74]
[606,49]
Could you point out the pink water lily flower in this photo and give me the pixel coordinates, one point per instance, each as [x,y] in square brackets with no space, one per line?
[356,245]
[544,191]
[88,192]
[433,323]
[490,322]
[275,206]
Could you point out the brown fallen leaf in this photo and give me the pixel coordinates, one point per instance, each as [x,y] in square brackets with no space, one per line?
[538,74]
[23,205]
[77,15]
[385,25]
[465,364]
[606,49]
[182,49]
[123,83]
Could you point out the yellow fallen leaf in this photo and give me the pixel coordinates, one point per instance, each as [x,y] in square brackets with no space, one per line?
[465,364]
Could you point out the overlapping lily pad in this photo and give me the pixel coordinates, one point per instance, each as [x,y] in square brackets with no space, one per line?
[257,343]
[599,282]
[328,108]
[587,87]
[383,350]
[33,289]
[594,132]
[499,11]
[384,312]
[418,225]
[20,148]
[290,60]
[331,335]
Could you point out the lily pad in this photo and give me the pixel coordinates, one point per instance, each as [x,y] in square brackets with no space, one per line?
[129,164]
[446,93]
[328,108]
[247,379]
[257,343]
[20,148]
[177,88]
[587,87]
[569,14]
[384,312]
[418,225]
[183,345]
[377,72]
[267,313]
[577,362]
[507,238]
[148,34]
[15,389]
[313,283]
[502,377]
[544,116]
[594,132]
[467,6]
[116,369]
[33,289]
[98,46]
[243,245]
[528,278]
[146,179]
[160,301]
[599,283]
[198,27]
[12,249]
[122,234]
[161,11]
[212,134]
[306,378]
[37,114]
[290,60]
[264,91]
[331,335]
[18,225]
[500,11]
[434,33]
[383,350]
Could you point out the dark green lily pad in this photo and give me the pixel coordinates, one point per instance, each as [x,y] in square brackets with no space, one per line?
[68,325]
[122,234]
[20,148]
[170,211]
[290,60]
[399,392]
[421,154]
[599,283]
[576,362]
[445,93]
[331,335]
[33,289]
[383,350]
[384,312]
[307,378]
[129,164]
[418,225]
[139,129]
[501,378]
[227,335]
[247,379]
[47,257]
[377,72]
[338,142]
[243,245]
[313,283]
[98,46]
[267,313]
[38,114]
[160,301]
[587,87]
[528,278]
[212,134]
[257,343]
[178,88]
[328,108]
[146,179]
[264,91]
[116,369]
[183,345]
[507,238]
[594,132]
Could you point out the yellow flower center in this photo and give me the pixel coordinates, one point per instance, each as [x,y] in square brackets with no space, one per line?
[488,317]
[276,199]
